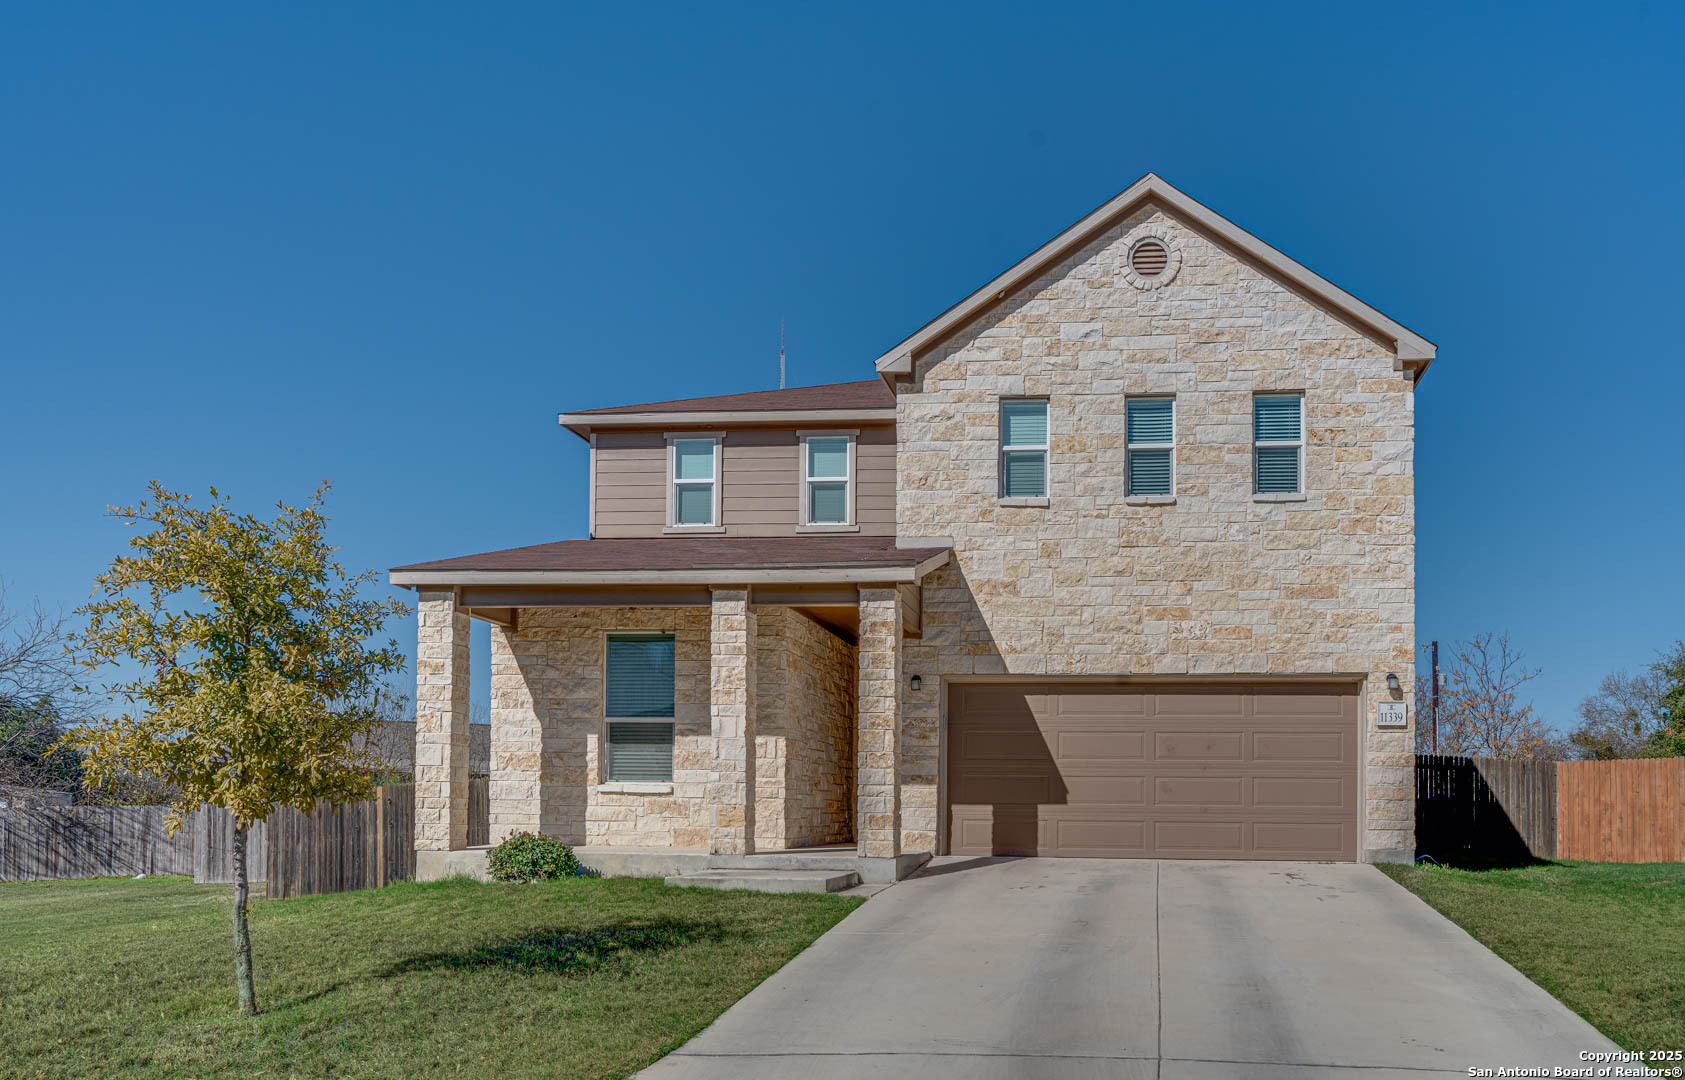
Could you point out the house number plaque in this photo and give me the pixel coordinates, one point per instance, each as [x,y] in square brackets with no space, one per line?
[1391,714]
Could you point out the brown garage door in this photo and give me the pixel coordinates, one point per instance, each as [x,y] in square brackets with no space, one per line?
[1214,772]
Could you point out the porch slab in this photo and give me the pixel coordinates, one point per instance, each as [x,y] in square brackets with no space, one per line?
[675,862]
[770,881]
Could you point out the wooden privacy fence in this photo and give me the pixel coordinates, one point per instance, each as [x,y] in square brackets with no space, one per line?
[360,846]
[213,847]
[91,841]
[1485,809]
[1491,810]
[1621,811]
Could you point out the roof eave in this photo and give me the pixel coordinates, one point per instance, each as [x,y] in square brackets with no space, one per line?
[1410,348]
[728,576]
[583,424]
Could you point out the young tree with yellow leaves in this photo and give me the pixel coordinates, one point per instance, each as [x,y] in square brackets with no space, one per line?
[243,665]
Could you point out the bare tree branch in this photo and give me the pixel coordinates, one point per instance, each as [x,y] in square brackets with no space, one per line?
[1479,710]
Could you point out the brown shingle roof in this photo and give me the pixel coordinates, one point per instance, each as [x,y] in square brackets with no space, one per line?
[865,394]
[694,553]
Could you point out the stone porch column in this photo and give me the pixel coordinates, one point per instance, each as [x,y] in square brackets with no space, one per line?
[877,764]
[516,740]
[441,723]
[731,711]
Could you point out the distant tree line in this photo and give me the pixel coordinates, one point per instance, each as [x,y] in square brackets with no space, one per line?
[1481,711]
[1635,715]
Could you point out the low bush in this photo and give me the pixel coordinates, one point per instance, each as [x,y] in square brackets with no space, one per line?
[528,856]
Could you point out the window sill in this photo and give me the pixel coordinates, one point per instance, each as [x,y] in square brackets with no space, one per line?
[1279,496]
[1008,500]
[691,530]
[616,787]
[827,528]
[1149,500]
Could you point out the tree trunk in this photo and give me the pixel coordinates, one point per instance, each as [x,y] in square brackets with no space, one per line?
[242,934]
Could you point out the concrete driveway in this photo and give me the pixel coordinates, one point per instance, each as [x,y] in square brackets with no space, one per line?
[1041,968]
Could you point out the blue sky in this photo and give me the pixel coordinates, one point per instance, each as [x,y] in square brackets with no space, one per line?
[260,246]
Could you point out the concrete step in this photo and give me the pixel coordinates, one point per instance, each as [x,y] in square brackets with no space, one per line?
[770,881]
[781,860]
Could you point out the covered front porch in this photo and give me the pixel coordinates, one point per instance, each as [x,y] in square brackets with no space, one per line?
[673,720]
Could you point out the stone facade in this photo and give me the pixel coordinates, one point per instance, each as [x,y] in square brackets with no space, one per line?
[441,722]
[731,712]
[1217,582]
[878,741]
[804,738]
[546,713]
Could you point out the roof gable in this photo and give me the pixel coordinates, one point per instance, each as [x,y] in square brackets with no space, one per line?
[1412,351]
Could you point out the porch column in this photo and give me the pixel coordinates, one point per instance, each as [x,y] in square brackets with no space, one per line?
[516,739]
[877,760]
[441,722]
[731,711]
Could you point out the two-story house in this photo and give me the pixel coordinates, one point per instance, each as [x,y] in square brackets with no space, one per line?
[1112,558]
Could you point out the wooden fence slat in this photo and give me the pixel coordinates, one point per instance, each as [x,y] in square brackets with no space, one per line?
[90,841]
[1485,809]
[1622,811]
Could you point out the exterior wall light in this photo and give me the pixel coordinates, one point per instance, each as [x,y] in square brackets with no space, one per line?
[916,683]
[1392,682]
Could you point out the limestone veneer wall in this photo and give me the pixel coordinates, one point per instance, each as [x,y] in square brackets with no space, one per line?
[1216,583]
[804,777]
[547,726]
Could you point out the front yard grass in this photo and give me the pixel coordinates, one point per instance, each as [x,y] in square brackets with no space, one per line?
[576,978]
[1607,939]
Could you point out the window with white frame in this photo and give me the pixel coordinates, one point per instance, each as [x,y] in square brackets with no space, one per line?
[1151,445]
[638,695]
[695,481]
[1023,448]
[827,479]
[1278,438]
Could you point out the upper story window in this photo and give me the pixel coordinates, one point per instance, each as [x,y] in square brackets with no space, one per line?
[1278,434]
[827,478]
[1023,448]
[694,490]
[1151,445]
[638,696]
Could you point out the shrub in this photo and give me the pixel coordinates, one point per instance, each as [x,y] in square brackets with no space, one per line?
[528,856]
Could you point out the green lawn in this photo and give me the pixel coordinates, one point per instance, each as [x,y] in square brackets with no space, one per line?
[1608,939]
[577,978]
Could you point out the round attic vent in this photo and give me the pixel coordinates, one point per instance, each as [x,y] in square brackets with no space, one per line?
[1153,259]
[1149,258]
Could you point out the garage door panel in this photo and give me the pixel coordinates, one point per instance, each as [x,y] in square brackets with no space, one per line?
[1110,772]
[1100,745]
[1200,746]
[1101,704]
[1099,838]
[1301,839]
[1325,746]
[973,829]
[1224,791]
[1306,792]
[1003,746]
[1212,704]
[991,788]
[1105,790]
[1302,704]
[1211,839]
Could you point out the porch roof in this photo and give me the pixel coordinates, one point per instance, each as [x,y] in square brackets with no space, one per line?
[694,560]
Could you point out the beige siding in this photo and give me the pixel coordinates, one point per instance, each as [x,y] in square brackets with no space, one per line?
[631,483]
[761,476]
[874,506]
